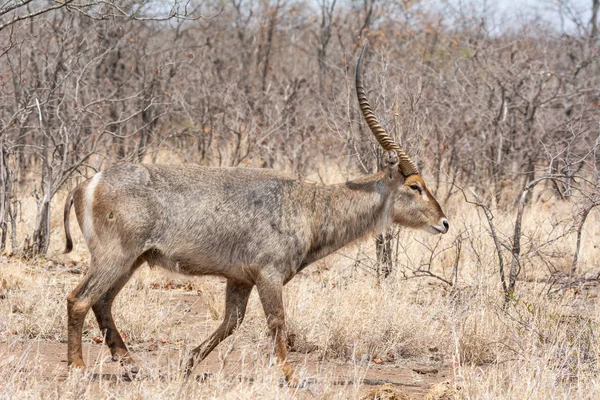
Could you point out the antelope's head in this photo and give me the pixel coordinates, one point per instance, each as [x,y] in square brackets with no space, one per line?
[414,205]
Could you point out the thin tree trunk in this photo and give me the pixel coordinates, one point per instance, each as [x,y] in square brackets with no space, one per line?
[383,245]
[584,216]
[4,195]
[594,19]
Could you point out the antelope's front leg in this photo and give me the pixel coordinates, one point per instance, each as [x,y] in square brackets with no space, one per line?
[270,287]
[236,300]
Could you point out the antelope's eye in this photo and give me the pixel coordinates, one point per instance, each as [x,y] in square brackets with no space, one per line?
[416,188]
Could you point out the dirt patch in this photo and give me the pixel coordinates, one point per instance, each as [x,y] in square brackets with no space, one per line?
[377,380]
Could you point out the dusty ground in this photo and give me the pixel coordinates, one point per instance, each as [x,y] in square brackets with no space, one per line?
[411,379]
[160,356]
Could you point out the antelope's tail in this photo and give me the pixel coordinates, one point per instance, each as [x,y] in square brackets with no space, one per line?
[69,240]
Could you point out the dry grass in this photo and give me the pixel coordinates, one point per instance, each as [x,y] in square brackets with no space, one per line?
[341,316]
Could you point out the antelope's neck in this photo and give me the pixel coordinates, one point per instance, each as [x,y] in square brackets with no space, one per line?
[341,214]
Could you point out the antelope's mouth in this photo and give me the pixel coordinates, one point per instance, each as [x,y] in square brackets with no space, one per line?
[442,227]
[434,230]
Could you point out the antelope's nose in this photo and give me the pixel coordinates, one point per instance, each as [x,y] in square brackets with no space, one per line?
[445,224]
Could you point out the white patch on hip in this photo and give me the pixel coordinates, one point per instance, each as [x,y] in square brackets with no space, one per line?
[88,216]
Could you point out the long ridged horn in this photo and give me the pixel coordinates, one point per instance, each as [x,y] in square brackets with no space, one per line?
[406,165]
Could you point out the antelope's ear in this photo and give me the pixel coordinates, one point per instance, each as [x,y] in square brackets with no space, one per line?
[390,165]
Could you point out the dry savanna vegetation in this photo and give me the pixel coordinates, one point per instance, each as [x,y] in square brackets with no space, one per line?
[501,116]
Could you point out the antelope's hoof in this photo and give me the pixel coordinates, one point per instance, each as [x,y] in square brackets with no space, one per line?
[131,372]
[77,365]
[132,369]
[291,378]
[127,362]
[203,377]
[124,359]
[189,366]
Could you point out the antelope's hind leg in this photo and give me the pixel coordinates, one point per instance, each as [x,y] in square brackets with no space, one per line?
[103,312]
[236,300]
[103,276]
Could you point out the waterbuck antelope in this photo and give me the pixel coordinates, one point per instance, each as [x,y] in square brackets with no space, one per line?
[254,227]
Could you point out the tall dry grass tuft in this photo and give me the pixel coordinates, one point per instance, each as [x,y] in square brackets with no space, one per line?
[355,318]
